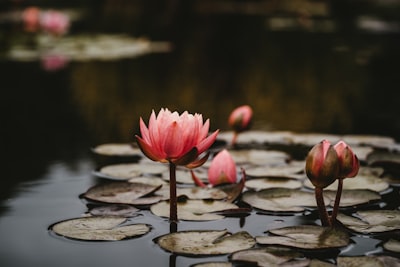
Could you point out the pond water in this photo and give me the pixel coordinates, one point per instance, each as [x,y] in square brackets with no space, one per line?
[308,68]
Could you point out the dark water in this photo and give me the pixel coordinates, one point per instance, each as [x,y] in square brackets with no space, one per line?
[302,78]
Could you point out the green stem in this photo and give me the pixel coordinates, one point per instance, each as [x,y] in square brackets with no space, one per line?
[173,210]
[337,200]
[323,214]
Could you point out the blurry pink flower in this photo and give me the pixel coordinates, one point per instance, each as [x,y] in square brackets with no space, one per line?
[222,169]
[174,138]
[30,19]
[240,118]
[54,62]
[54,22]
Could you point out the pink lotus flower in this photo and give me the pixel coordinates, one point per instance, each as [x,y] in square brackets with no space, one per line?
[54,22]
[240,118]
[222,169]
[174,138]
[30,19]
[348,161]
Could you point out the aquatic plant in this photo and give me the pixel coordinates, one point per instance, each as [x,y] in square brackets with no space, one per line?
[240,120]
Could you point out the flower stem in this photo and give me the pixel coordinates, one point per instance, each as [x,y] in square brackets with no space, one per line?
[173,210]
[323,214]
[337,200]
[234,139]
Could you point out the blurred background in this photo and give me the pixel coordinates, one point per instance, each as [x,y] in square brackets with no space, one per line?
[75,74]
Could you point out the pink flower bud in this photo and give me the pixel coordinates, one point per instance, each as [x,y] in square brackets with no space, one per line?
[55,22]
[240,118]
[322,164]
[348,161]
[222,169]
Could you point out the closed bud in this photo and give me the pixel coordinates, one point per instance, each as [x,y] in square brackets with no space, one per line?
[348,161]
[240,119]
[322,164]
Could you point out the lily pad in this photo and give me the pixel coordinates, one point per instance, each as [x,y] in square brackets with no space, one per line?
[258,137]
[372,221]
[114,210]
[352,198]
[213,264]
[193,192]
[126,171]
[368,261]
[288,170]
[270,256]
[99,228]
[279,199]
[369,140]
[306,237]
[392,245]
[149,180]
[194,210]
[205,242]
[263,183]
[185,177]
[259,157]
[117,149]
[370,182]
[123,193]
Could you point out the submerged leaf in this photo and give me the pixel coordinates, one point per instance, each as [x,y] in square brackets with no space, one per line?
[205,242]
[372,221]
[194,210]
[306,237]
[99,229]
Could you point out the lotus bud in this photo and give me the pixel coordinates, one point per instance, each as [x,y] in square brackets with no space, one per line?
[240,118]
[222,169]
[348,161]
[322,164]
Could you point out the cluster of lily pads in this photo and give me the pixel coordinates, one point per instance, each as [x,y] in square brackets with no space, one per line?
[275,185]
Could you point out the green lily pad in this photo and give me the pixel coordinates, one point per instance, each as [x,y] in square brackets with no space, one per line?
[99,229]
[368,261]
[126,171]
[194,210]
[264,183]
[372,221]
[392,245]
[123,193]
[211,242]
[306,237]
[270,256]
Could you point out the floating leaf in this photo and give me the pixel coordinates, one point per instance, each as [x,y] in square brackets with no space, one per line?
[213,264]
[279,199]
[306,237]
[370,182]
[185,177]
[287,170]
[155,181]
[205,242]
[194,192]
[270,256]
[99,229]
[264,183]
[194,210]
[351,197]
[310,139]
[389,161]
[392,245]
[367,261]
[369,140]
[114,210]
[123,193]
[126,171]
[372,221]
[115,149]
[259,157]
